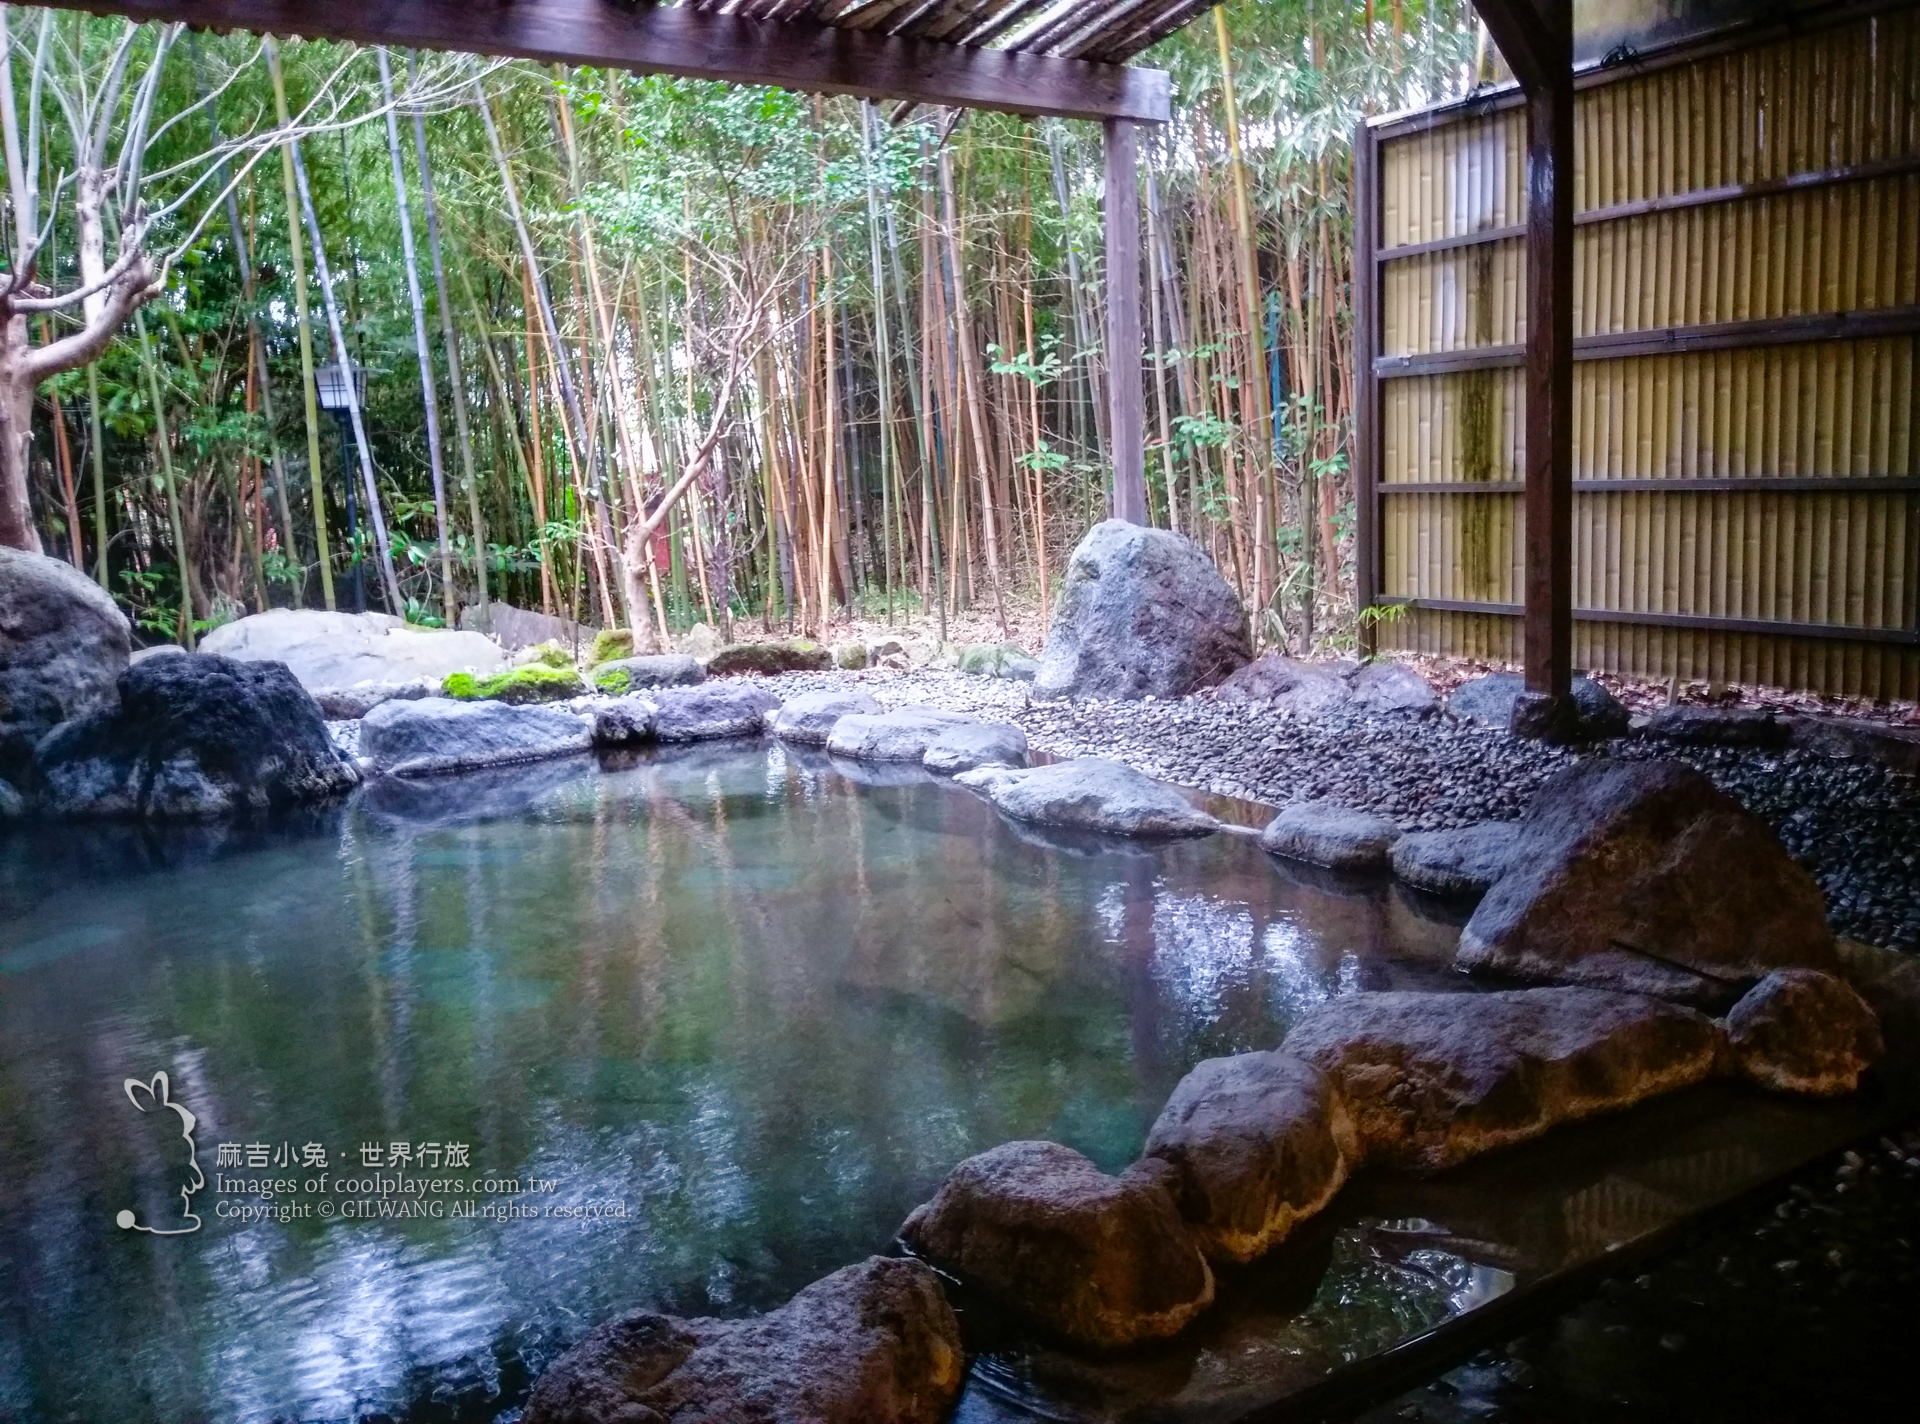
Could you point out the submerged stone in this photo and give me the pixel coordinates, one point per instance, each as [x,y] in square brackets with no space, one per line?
[1091,794]
[438,734]
[1325,833]
[1457,863]
[1100,1261]
[698,714]
[874,1343]
[192,737]
[1433,1079]
[1258,1143]
[1800,1031]
[1141,613]
[809,719]
[1644,876]
[900,735]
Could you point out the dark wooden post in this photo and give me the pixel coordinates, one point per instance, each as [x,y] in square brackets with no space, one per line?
[1536,37]
[1366,381]
[1126,392]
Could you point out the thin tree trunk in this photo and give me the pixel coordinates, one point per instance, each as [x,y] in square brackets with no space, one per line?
[430,399]
[450,341]
[398,605]
[296,248]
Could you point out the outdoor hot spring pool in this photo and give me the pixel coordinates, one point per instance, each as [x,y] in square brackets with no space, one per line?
[723,1016]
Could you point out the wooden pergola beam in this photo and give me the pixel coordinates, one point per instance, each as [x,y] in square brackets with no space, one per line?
[1536,38]
[653,39]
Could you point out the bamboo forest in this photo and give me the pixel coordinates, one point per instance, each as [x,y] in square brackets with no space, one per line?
[650,351]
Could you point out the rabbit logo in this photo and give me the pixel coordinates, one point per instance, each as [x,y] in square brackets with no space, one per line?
[158,1095]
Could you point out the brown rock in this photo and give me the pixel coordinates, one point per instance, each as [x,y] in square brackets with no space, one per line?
[1643,876]
[1800,1031]
[1100,1261]
[1260,1142]
[874,1343]
[1433,1079]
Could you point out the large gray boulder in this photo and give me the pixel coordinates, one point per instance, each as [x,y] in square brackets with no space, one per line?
[63,645]
[1433,1079]
[1090,794]
[704,713]
[516,628]
[193,737]
[873,1343]
[1644,876]
[1258,1143]
[1325,833]
[1287,684]
[1800,1031]
[975,744]
[1100,1261]
[340,649]
[1141,613]
[902,735]
[809,718]
[624,675]
[1491,699]
[1459,863]
[438,734]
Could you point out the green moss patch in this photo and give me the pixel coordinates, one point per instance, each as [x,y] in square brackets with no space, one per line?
[535,682]
[610,644]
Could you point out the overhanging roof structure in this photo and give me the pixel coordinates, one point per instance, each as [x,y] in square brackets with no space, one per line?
[1059,58]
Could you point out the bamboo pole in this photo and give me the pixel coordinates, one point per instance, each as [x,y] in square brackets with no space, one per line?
[302,321]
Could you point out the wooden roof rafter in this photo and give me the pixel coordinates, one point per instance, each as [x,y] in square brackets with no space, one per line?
[1054,58]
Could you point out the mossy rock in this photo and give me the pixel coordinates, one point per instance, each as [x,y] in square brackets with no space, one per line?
[794,655]
[532,682]
[624,675]
[547,654]
[610,644]
[850,655]
[993,659]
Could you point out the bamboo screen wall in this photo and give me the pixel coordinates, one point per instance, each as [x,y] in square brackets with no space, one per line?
[1746,463]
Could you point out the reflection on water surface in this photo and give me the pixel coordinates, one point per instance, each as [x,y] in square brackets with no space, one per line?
[756,1006]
